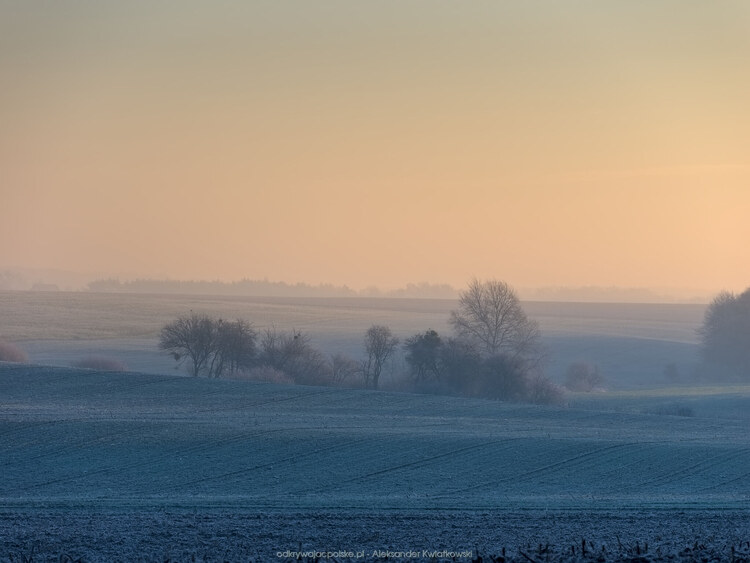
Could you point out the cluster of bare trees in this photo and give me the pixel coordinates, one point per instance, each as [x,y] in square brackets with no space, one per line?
[216,348]
[212,347]
[494,351]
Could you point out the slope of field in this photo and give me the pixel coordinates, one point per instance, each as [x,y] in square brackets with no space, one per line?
[107,439]
[128,466]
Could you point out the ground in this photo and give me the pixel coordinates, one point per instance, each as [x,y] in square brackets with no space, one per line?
[129,466]
[152,465]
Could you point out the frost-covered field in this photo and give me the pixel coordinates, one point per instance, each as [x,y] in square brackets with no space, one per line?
[202,534]
[154,466]
[127,466]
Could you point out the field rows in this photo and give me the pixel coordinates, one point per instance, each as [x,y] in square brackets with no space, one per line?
[134,440]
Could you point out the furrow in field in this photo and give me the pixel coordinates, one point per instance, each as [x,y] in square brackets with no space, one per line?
[513,475]
[419,463]
[275,463]
[18,428]
[743,478]
[297,397]
[163,459]
[710,465]
[58,450]
[118,438]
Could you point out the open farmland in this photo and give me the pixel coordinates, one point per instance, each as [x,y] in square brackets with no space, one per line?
[155,466]
[125,465]
[631,343]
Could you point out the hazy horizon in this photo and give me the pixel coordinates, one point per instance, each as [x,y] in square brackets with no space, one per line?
[547,144]
[56,280]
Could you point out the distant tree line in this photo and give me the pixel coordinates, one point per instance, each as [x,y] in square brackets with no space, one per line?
[494,352]
[265,288]
[246,287]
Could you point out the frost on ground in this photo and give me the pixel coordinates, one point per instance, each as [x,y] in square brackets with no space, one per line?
[126,466]
[211,535]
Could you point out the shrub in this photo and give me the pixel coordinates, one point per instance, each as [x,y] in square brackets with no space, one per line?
[100,363]
[460,364]
[455,367]
[292,354]
[541,391]
[583,377]
[502,377]
[10,352]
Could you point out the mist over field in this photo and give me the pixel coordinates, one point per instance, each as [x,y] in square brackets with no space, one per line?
[653,455]
[374,281]
[632,343]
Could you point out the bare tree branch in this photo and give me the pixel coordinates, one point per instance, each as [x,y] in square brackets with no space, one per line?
[490,317]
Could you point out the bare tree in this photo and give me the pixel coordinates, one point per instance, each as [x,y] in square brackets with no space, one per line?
[189,338]
[210,345]
[725,334]
[490,317]
[379,346]
[541,391]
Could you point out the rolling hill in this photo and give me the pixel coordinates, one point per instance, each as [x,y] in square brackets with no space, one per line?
[132,439]
[127,466]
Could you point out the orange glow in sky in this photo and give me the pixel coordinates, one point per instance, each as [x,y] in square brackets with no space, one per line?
[379,143]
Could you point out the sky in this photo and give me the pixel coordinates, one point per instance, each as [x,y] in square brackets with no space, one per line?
[544,143]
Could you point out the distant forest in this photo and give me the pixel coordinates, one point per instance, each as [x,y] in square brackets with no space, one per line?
[53,280]
[265,288]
